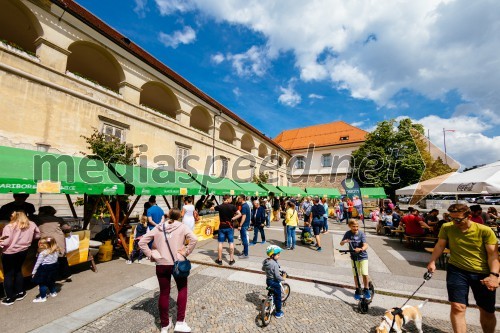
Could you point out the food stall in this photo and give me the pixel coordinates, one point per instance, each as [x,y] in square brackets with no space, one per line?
[371,197]
[32,172]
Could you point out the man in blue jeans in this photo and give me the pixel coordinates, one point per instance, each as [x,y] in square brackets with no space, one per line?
[325,216]
[316,220]
[245,223]
[227,214]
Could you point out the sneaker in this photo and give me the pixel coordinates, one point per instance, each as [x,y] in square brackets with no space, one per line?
[166,328]
[367,294]
[40,300]
[252,244]
[279,314]
[263,242]
[218,262]
[231,263]
[128,262]
[292,248]
[181,326]
[54,294]
[319,249]
[139,261]
[357,295]
[8,301]
[242,256]
[20,296]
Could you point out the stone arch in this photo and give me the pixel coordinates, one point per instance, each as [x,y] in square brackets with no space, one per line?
[95,63]
[18,25]
[273,155]
[247,143]
[200,119]
[159,97]
[263,150]
[227,133]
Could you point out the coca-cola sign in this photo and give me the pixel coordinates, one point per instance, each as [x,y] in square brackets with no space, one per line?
[465,187]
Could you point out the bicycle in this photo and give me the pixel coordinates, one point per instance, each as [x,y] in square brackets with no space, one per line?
[268,307]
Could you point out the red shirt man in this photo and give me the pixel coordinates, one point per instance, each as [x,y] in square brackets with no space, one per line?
[413,223]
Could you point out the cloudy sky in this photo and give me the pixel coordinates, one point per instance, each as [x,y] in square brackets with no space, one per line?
[285,64]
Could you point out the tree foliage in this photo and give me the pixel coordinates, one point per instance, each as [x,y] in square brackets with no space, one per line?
[108,148]
[394,157]
[262,178]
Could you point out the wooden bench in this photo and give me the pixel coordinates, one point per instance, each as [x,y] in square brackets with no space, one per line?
[418,241]
[400,233]
[443,258]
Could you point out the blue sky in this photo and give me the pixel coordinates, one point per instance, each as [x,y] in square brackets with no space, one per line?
[289,63]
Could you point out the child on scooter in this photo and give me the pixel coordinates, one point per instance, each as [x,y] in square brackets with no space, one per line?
[273,276]
[357,243]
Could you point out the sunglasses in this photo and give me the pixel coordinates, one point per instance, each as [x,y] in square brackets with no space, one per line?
[456,219]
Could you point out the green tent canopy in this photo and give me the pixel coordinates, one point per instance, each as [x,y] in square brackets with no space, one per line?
[251,189]
[30,171]
[292,191]
[271,188]
[373,193]
[330,193]
[217,185]
[148,181]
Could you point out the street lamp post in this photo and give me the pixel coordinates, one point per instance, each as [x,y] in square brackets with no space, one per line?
[444,142]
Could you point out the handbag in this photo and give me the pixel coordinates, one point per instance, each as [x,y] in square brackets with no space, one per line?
[181,268]
[72,243]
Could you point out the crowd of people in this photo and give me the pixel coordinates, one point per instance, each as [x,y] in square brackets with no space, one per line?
[167,239]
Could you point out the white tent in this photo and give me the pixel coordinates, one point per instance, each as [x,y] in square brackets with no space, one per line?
[425,187]
[482,180]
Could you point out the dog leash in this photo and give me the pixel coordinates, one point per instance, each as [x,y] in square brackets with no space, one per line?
[399,311]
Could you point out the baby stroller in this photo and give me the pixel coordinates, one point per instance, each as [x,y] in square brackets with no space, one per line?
[306,236]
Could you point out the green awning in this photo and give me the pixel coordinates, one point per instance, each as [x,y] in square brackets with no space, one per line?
[292,191]
[251,189]
[148,181]
[330,193]
[30,171]
[272,188]
[217,185]
[373,193]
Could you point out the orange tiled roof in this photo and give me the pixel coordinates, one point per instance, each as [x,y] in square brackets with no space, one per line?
[320,135]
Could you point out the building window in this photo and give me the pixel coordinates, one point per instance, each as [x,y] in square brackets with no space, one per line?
[113,131]
[344,138]
[271,177]
[225,166]
[182,154]
[326,160]
[300,163]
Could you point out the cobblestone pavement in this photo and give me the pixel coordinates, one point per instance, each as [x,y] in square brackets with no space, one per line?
[220,305]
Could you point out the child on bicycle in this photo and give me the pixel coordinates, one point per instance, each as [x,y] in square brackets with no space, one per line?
[273,275]
[357,243]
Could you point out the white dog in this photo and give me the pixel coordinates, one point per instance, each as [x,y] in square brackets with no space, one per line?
[409,313]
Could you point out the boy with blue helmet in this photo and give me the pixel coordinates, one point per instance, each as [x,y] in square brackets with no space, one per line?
[273,275]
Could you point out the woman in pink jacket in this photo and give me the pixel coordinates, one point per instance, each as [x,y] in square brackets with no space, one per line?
[17,237]
[175,233]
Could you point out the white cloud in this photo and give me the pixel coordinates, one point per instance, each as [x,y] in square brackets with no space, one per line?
[375,49]
[168,7]
[315,96]
[466,144]
[217,58]
[140,8]
[358,123]
[237,92]
[186,36]
[289,96]
[252,62]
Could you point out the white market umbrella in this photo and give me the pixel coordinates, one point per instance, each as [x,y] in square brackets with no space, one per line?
[426,187]
[482,180]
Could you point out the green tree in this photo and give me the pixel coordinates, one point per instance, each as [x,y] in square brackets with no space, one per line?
[108,148]
[262,178]
[390,157]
